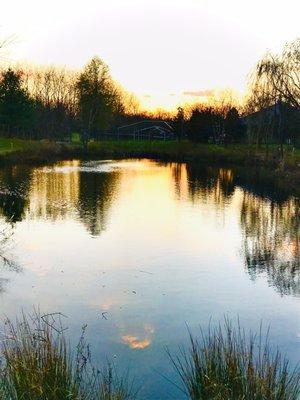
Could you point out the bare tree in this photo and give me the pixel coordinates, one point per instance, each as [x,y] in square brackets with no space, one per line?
[54,93]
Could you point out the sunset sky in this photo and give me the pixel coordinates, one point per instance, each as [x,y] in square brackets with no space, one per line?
[165,51]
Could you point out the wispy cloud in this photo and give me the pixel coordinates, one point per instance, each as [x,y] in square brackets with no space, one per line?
[199,93]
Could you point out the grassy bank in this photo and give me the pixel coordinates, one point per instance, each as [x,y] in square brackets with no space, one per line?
[287,172]
[35,152]
[225,364]
[187,151]
[241,154]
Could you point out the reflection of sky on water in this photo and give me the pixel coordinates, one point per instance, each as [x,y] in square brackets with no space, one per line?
[136,249]
[142,341]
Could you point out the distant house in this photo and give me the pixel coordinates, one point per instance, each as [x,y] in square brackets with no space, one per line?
[277,123]
[148,129]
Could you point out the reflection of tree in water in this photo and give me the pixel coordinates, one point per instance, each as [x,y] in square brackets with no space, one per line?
[65,189]
[54,192]
[7,262]
[262,183]
[3,283]
[57,193]
[272,241]
[215,184]
[95,198]
[270,220]
[14,186]
[178,171]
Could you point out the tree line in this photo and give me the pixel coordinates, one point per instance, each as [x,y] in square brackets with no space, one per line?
[52,103]
[270,112]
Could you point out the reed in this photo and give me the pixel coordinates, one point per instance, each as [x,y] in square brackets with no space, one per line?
[227,364]
[38,364]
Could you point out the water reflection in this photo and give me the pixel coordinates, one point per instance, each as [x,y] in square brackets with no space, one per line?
[85,192]
[60,192]
[7,260]
[14,187]
[270,224]
[96,192]
[3,283]
[210,184]
[54,192]
[182,243]
[141,340]
[271,241]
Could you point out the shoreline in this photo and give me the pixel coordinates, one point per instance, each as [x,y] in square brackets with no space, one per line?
[286,175]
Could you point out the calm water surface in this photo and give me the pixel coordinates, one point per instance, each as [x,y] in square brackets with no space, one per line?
[154,247]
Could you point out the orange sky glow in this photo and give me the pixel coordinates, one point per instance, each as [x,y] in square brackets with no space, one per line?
[167,52]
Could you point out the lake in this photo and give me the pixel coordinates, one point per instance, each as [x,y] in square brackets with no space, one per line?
[138,250]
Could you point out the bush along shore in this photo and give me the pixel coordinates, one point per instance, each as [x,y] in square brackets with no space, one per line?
[224,364]
[286,171]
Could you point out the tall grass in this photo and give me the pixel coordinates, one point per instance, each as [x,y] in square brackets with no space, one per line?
[38,364]
[224,364]
[227,364]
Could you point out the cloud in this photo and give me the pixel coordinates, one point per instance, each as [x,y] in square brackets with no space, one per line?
[199,93]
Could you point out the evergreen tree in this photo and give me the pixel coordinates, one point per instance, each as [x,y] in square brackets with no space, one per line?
[16,107]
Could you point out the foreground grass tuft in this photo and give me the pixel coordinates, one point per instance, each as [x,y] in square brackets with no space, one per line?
[226,364]
[38,365]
